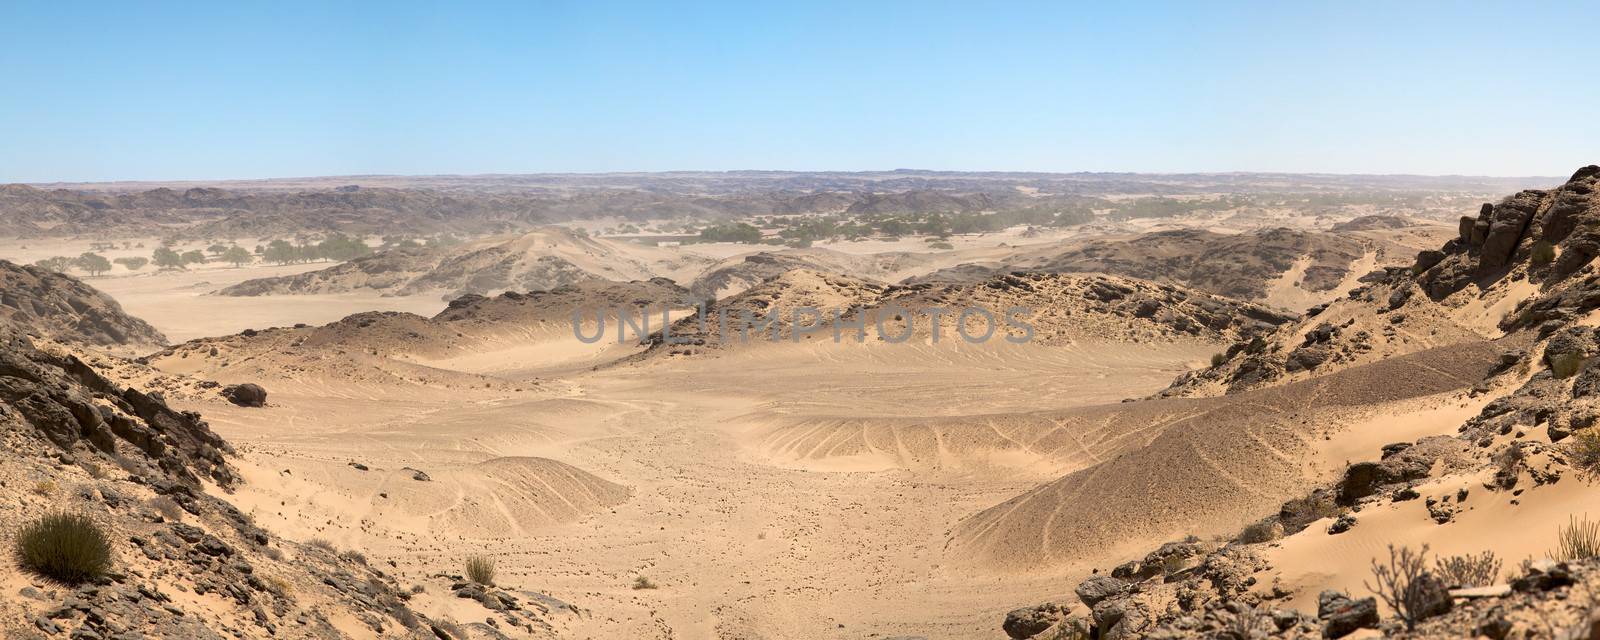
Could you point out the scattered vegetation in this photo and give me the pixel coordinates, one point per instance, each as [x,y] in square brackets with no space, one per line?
[1406,585]
[353,556]
[642,582]
[45,487]
[480,569]
[1578,540]
[1217,359]
[1480,570]
[65,546]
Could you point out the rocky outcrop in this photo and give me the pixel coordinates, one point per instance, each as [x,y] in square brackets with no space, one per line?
[66,402]
[61,307]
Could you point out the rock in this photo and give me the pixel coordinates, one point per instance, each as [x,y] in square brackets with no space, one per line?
[1428,259]
[1543,575]
[1342,524]
[1097,589]
[1474,593]
[1031,621]
[245,395]
[1342,616]
[1493,624]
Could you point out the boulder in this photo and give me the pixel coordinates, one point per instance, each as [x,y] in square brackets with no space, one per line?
[1342,616]
[1028,622]
[1096,589]
[245,395]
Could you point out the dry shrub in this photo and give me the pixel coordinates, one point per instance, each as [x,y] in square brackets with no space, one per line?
[1578,540]
[354,556]
[480,569]
[44,487]
[1299,513]
[1584,451]
[642,582]
[1263,531]
[321,543]
[1480,570]
[1218,359]
[1406,585]
[167,507]
[68,547]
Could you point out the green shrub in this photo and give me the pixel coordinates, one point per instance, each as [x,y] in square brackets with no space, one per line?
[1565,365]
[1579,540]
[66,546]
[1584,451]
[1543,253]
[480,569]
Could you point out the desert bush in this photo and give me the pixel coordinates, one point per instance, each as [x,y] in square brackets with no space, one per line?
[1299,513]
[44,487]
[1578,540]
[1566,365]
[66,546]
[1217,359]
[1584,451]
[642,582]
[1263,531]
[1406,585]
[1543,252]
[167,507]
[320,543]
[480,569]
[1480,570]
[280,586]
[354,556]
[450,628]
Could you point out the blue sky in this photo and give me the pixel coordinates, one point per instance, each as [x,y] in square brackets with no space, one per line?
[148,91]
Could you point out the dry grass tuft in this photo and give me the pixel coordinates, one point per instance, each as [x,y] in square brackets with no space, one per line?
[480,569]
[68,547]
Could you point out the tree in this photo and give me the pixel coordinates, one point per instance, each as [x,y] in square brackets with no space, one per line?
[216,249]
[132,264]
[194,257]
[280,251]
[94,263]
[166,258]
[737,232]
[58,264]
[342,247]
[239,256]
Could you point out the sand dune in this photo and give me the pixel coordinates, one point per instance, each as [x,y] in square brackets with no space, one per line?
[1226,462]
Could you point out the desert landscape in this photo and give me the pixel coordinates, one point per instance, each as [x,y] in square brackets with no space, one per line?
[1219,417]
[799,321]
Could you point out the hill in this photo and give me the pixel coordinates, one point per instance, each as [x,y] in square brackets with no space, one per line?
[61,307]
